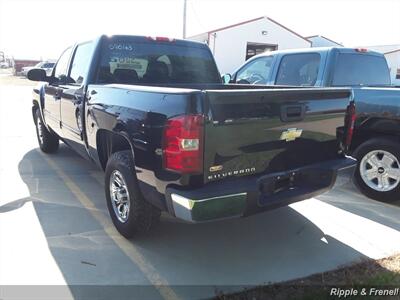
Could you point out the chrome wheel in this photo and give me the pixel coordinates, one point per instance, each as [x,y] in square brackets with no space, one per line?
[119,196]
[380,170]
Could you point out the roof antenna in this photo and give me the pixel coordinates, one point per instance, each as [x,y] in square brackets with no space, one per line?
[184,18]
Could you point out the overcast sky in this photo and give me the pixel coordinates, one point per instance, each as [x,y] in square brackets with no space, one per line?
[43,28]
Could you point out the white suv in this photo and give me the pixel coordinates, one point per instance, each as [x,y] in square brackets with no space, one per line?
[45,65]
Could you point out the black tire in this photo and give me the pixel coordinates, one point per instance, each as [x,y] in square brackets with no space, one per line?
[48,141]
[381,144]
[142,215]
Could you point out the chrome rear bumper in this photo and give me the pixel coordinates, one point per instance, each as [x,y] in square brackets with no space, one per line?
[248,195]
[209,208]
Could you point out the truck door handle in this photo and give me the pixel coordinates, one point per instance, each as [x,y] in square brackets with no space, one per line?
[290,113]
[293,112]
[57,95]
[92,93]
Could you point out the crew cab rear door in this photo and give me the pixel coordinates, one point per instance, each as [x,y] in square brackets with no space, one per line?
[255,131]
[73,98]
[300,69]
[53,91]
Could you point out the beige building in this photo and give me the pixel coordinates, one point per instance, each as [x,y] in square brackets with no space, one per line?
[233,45]
[322,41]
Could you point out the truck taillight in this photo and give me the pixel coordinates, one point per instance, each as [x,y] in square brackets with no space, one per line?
[362,50]
[160,39]
[183,144]
[350,120]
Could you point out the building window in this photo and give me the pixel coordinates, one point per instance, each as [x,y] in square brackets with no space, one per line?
[398,74]
[257,48]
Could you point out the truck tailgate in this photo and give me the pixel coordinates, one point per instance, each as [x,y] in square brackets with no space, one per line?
[263,131]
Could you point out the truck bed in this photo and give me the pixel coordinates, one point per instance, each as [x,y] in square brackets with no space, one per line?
[248,129]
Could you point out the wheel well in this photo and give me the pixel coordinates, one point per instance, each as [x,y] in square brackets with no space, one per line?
[366,135]
[35,105]
[108,143]
[375,127]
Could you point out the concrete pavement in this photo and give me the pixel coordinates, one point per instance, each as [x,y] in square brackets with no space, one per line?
[55,230]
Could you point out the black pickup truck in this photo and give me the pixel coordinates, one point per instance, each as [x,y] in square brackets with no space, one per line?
[376,137]
[154,114]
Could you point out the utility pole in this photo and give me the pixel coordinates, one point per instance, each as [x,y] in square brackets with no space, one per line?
[184,18]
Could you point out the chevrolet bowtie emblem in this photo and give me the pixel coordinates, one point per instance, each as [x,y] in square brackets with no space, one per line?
[291,134]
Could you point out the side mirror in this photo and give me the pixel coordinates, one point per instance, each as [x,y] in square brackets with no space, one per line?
[226,78]
[37,75]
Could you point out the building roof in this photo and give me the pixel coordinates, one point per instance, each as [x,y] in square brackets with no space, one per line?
[383,48]
[324,37]
[393,51]
[250,21]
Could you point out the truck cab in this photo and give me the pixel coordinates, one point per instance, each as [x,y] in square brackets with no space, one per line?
[318,67]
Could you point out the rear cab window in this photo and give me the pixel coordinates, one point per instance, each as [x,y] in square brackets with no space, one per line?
[142,61]
[299,69]
[352,69]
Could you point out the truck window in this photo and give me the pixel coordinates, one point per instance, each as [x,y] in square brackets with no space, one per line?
[61,68]
[80,62]
[360,69]
[133,61]
[256,71]
[298,69]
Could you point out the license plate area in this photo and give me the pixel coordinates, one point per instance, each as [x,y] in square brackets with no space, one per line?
[285,186]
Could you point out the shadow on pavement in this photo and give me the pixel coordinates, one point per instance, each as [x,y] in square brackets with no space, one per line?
[195,260]
[349,198]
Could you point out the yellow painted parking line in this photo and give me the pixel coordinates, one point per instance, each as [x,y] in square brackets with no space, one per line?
[127,247]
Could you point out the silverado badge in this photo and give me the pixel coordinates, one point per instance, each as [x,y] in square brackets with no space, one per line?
[216,168]
[291,134]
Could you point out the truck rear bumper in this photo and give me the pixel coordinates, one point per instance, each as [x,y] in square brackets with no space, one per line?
[249,195]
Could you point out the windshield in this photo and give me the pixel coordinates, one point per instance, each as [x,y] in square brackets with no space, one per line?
[144,62]
[360,69]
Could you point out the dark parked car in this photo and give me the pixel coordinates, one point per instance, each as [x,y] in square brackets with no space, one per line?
[153,113]
[376,111]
